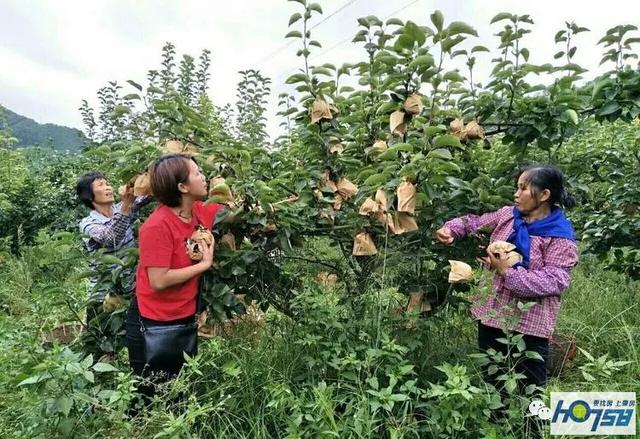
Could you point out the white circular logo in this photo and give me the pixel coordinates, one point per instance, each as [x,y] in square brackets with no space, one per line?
[535,406]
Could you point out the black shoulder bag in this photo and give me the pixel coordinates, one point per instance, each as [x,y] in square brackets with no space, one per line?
[165,345]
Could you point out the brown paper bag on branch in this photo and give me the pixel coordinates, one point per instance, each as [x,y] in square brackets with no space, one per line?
[397,126]
[406,197]
[320,110]
[142,186]
[363,245]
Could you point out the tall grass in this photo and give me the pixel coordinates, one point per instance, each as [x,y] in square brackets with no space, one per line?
[325,374]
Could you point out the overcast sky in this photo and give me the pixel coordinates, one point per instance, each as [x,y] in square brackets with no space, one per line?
[53,54]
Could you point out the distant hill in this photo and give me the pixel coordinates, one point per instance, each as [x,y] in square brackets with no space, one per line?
[30,133]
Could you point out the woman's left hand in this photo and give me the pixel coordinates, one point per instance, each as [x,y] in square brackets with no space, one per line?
[500,265]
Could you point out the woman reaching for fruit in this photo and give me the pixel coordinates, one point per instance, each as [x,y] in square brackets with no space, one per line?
[539,272]
[176,247]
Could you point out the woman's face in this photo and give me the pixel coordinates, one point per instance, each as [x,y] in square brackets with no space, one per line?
[526,198]
[196,184]
[102,191]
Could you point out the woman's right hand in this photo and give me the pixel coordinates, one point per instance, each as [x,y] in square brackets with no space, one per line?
[207,255]
[444,235]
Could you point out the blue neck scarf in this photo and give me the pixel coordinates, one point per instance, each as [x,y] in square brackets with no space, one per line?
[554,225]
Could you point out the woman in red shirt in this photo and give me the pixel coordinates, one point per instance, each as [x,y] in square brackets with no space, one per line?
[167,279]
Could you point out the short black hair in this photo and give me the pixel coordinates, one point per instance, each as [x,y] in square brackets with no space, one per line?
[83,187]
[545,176]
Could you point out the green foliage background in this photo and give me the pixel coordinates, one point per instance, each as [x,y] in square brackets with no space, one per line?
[339,361]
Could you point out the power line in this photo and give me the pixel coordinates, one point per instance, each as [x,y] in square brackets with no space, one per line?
[339,43]
[286,45]
[350,38]
[334,13]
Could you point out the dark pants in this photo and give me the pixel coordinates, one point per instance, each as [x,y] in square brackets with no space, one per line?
[534,370]
[135,346]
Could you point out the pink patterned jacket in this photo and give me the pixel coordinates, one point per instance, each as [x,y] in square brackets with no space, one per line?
[548,275]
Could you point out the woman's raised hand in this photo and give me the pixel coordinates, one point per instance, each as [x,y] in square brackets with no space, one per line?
[444,235]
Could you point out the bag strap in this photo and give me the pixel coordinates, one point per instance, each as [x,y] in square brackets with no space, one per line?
[201,281]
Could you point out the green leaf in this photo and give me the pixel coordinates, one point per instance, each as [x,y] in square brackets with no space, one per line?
[120,110]
[295,17]
[461,184]
[404,42]
[375,180]
[35,379]
[293,34]
[586,354]
[131,97]
[405,147]
[297,77]
[437,19]
[238,270]
[599,86]
[362,21]
[533,355]
[572,115]
[479,49]
[510,385]
[321,71]
[315,7]
[135,84]
[440,153]
[415,33]
[422,60]
[395,22]
[63,405]
[389,154]
[433,130]
[231,368]
[104,367]
[458,27]
[525,53]
[502,16]
[110,259]
[453,76]
[449,43]
[447,140]
[610,108]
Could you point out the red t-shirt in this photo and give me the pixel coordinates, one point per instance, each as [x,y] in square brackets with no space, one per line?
[161,243]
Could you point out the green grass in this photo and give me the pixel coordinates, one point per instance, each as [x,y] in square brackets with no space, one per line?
[315,377]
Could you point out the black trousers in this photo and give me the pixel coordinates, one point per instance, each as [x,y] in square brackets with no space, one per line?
[534,370]
[135,346]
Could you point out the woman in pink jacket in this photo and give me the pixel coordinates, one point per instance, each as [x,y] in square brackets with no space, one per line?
[544,238]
